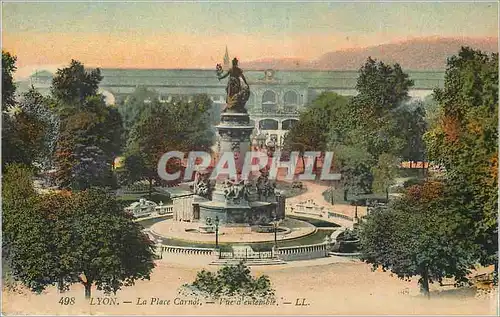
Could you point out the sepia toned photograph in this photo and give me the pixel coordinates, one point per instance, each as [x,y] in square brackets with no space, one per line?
[249,158]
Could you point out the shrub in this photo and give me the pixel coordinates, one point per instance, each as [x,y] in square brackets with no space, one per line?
[230,281]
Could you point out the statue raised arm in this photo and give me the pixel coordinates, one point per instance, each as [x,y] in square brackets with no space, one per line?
[237,94]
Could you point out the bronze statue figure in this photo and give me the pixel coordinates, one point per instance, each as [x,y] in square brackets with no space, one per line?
[237,93]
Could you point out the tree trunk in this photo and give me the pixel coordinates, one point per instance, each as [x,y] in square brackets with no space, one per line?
[424,284]
[345,194]
[387,193]
[60,285]
[88,289]
[424,170]
[315,166]
[303,163]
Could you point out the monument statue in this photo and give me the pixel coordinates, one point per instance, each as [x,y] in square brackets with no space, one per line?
[234,191]
[202,186]
[265,187]
[237,88]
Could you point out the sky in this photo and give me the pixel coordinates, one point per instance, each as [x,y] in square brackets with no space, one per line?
[192,35]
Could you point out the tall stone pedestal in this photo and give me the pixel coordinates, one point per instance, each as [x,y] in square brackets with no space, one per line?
[235,130]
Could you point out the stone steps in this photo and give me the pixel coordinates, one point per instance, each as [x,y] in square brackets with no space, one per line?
[248,262]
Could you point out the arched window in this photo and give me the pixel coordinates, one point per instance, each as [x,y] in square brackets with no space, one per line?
[268,124]
[269,101]
[291,98]
[288,124]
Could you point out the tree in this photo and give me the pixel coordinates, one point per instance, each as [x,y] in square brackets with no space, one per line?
[8,86]
[326,116]
[40,125]
[65,238]
[416,235]
[354,163]
[178,126]
[384,173]
[25,125]
[112,251]
[21,248]
[72,85]
[134,105]
[464,139]
[231,281]
[148,141]
[87,146]
[382,89]
[90,134]
[413,125]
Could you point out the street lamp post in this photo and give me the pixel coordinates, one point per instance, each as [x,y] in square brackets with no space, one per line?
[275,226]
[216,232]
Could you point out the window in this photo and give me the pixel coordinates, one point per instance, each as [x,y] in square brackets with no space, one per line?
[269,97]
[291,98]
[268,124]
[288,124]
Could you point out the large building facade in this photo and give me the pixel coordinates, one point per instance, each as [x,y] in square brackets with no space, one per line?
[277,96]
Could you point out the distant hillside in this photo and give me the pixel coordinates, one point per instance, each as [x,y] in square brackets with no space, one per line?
[420,53]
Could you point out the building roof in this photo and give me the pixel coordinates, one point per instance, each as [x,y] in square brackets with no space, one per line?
[314,79]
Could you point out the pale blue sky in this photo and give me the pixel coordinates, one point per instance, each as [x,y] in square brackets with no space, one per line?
[466,19]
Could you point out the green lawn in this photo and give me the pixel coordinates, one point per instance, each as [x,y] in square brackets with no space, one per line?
[317,237]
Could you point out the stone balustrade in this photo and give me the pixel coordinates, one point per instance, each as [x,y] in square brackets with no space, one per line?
[304,252]
[332,214]
[185,250]
[164,209]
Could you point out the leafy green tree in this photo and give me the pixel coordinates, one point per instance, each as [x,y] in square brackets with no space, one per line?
[464,139]
[8,86]
[88,143]
[148,141]
[90,132]
[133,106]
[112,251]
[29,131]
[231,281]
[416,235]
[178,126]
[72,85]
[37,117]
[354,165]
[65,238]
[19,220]
[327,115]
[25,125]
[384,173]
[413,125]
[381,90]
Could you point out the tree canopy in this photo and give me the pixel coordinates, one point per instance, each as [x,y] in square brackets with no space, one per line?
[176,126]
[8,86]
[418,235]
[464,140]
[65,238]
[90,134]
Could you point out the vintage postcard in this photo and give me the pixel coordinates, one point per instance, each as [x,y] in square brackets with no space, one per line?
[249,158]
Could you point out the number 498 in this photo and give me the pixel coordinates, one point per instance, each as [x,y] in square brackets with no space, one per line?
[67,301]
